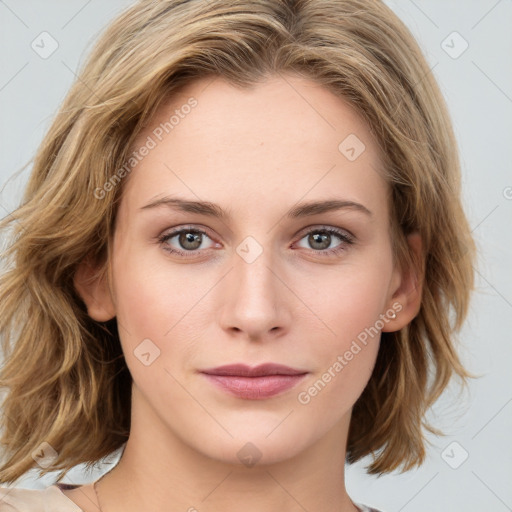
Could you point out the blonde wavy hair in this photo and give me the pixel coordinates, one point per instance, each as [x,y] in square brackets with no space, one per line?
[65,377]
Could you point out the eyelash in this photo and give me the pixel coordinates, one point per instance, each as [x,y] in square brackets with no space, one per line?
[346,239]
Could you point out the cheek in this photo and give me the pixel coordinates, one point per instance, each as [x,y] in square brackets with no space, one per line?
[151,310]
[144,302]
[151,293]
[348,299]
[162,302]
[349,308]
[344,358]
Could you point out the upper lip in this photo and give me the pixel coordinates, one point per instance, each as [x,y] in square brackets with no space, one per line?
[242,370]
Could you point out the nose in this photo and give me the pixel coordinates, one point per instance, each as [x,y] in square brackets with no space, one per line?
[255,301]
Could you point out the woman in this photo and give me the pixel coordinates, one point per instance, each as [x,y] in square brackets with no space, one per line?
[237,258]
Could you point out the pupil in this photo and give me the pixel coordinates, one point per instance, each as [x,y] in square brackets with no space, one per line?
[190,238]
[322,239]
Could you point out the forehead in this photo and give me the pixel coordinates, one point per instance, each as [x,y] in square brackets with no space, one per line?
[287,135]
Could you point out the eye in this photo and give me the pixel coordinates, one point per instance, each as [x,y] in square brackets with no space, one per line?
[320,240]
[187,241]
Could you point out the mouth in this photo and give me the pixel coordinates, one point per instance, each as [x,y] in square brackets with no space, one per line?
[254,383]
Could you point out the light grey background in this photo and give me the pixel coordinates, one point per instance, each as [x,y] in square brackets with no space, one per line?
[478,88]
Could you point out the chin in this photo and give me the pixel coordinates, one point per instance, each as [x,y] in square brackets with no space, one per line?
[254,448]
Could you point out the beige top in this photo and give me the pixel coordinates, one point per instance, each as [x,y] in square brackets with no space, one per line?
[52,499]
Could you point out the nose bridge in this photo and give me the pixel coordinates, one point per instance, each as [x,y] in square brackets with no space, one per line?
[254,301]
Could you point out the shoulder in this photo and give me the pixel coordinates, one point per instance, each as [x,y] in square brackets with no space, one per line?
[14,499]
[363,508]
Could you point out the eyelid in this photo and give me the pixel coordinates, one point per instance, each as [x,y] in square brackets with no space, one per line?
[185,227]
[327,227]
[171,232]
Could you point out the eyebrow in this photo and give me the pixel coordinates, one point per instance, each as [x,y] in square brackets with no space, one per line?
[213,210]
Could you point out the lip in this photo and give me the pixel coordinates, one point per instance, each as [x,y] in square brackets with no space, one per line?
[262,370]
[254,383]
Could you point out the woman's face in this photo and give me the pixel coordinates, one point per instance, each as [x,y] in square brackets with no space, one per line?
[253,229]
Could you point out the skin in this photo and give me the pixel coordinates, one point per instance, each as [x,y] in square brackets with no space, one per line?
[256,154]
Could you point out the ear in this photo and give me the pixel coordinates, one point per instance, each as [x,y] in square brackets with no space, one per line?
[92,284]
[406,290]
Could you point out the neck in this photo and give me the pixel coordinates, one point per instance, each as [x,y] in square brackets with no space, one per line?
[158,470]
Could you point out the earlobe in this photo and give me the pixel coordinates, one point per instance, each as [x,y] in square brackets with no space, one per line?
[93,287]
[406,298]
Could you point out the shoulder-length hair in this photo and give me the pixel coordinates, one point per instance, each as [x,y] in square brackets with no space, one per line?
[66,379]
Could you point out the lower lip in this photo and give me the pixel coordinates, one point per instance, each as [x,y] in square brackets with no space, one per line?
[255,388]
